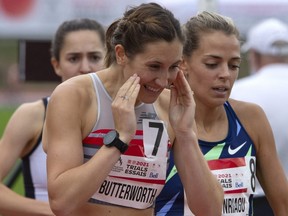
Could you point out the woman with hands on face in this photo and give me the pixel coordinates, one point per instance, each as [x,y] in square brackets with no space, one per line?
[107,134]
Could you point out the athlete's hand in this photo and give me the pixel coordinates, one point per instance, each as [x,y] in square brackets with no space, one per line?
[182,105]
[123,108]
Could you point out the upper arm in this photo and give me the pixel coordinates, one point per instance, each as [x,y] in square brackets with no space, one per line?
[269,169]
[63,130]
[255,122]
[21,134]
[268,165]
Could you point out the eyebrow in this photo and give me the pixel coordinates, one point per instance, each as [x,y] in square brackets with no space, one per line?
[217,57]
[158,62]
[177,62]
[77,53]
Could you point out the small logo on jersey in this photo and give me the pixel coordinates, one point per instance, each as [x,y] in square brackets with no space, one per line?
[153,175]
[239,184]
[145,115]
[234,151]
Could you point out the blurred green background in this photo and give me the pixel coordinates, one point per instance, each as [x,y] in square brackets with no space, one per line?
[5,114]
[8,57]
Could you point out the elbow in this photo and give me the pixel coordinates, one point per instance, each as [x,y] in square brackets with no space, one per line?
[58,206]
[209,207]
[207,210]
[218,202]
[220,198]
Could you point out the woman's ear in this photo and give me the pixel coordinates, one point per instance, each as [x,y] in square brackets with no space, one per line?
[120,54]
[183,67]
[56,66]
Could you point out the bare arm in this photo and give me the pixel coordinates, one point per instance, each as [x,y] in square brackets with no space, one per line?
[19,137]
[269,170]
[199,183]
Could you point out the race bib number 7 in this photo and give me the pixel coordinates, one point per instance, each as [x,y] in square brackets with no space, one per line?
[139,175]
[155,138]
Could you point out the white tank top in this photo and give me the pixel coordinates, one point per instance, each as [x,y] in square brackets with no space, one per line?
[140,173]
[34,169]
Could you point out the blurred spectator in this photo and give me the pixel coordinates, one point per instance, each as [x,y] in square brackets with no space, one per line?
[13,79]
[267,86]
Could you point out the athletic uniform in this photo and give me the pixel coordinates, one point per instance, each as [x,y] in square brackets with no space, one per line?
[231,160]
[34,169]
[139,175]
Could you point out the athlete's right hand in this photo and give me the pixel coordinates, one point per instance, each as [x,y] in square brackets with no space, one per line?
[123,108]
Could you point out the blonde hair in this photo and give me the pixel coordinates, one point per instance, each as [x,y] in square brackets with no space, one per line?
[206,22]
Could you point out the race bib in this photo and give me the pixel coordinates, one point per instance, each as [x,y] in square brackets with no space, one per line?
[139,175]
[237,177]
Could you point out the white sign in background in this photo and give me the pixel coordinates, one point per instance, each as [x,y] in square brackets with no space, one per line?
[38,19]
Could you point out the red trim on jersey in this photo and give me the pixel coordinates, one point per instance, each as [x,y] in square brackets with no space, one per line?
[226,163]
[244,190]
[151,181]
[136,147]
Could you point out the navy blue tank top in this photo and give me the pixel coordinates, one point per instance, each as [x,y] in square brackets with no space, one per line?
[231,160]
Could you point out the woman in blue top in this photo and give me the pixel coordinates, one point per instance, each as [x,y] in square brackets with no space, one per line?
[234,136]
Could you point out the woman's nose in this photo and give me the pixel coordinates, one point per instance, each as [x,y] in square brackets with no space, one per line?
[85,66]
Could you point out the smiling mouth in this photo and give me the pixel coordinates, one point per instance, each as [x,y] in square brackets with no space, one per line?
[151,89]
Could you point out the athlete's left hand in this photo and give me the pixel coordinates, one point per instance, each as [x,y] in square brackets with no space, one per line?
[182,105]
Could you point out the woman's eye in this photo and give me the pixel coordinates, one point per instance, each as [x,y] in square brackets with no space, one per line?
[235,67]
[211,65]
[154,67]
[72,59]
[96,58]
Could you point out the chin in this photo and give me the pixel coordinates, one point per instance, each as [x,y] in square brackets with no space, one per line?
[147,100]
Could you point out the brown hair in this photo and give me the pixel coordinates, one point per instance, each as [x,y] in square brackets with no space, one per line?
[139,26]
[72,26]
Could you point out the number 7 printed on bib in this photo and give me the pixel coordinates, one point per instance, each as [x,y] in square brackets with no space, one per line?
[140,174]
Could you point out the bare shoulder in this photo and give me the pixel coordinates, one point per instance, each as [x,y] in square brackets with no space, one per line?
[246,110]
[24,128]
[75,84]
[73,103]
[77,89]
[30,111]
[251,116]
